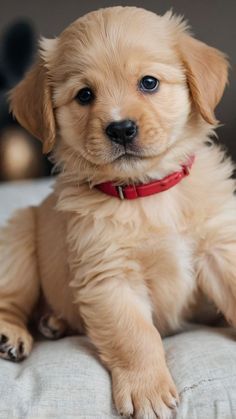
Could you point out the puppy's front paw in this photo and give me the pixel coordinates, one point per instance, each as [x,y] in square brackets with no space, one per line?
[15,342]
[145,394]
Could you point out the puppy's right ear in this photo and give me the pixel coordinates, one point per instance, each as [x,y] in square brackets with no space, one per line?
[30,102]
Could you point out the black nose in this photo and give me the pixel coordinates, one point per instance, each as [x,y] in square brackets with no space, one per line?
[122,132]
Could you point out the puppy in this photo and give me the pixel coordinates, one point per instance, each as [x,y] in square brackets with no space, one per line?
[141,224]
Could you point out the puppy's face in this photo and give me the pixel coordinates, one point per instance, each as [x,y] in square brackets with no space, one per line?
[120,85]
[121,98]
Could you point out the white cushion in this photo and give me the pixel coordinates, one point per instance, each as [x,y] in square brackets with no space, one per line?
[60,380]
[64,379]
[16,195]
[203,365]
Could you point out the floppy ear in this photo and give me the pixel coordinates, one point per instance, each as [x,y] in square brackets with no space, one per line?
[207,74]
[30,102]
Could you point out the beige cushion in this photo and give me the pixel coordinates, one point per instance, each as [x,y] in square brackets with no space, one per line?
[64,379]
[203,365]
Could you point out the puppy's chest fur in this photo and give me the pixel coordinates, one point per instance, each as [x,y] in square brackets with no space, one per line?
[143,242]
[152,244]
[125,234]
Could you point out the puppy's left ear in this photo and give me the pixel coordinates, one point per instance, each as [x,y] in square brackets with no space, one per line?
[30,102]
[207,75]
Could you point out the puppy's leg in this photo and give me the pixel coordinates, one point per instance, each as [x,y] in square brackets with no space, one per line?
[19,285]
[216,268]
[118,320]
[168,270]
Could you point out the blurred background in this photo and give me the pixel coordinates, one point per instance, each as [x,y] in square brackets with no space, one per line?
[23,21]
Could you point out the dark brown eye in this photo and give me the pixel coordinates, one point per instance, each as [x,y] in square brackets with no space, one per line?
[85,96]
[149,84]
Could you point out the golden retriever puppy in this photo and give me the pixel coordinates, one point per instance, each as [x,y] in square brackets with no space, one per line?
[141,224]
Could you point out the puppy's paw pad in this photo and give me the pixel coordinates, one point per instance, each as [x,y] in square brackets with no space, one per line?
[15,342]
[3,339]
[52,327]
[13,353]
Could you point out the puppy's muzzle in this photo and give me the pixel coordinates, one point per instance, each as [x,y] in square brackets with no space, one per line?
[122,132]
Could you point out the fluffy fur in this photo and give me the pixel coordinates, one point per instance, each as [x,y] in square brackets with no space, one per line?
[124,272]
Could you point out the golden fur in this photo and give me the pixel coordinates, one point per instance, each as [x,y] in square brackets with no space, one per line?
[124,272]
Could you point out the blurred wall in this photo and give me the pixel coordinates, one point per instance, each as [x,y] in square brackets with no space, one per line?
[212,21]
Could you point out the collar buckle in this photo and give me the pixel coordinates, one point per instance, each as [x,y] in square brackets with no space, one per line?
[120,192]
[186,170]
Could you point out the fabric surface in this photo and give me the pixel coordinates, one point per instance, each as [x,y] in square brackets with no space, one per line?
[64,379]
[20,194]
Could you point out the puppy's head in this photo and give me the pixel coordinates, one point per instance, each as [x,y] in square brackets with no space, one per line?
[118,90]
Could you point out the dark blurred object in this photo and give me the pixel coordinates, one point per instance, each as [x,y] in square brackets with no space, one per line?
[18,50]
[20,155]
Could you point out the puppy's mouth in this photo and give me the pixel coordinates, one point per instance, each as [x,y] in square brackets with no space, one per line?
[127,154]
[120,154]
[129,157]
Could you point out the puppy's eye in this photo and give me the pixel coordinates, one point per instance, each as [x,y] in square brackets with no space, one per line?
[149,84]
[85,96]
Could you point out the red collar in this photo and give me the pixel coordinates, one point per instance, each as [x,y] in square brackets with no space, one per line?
[146,189]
